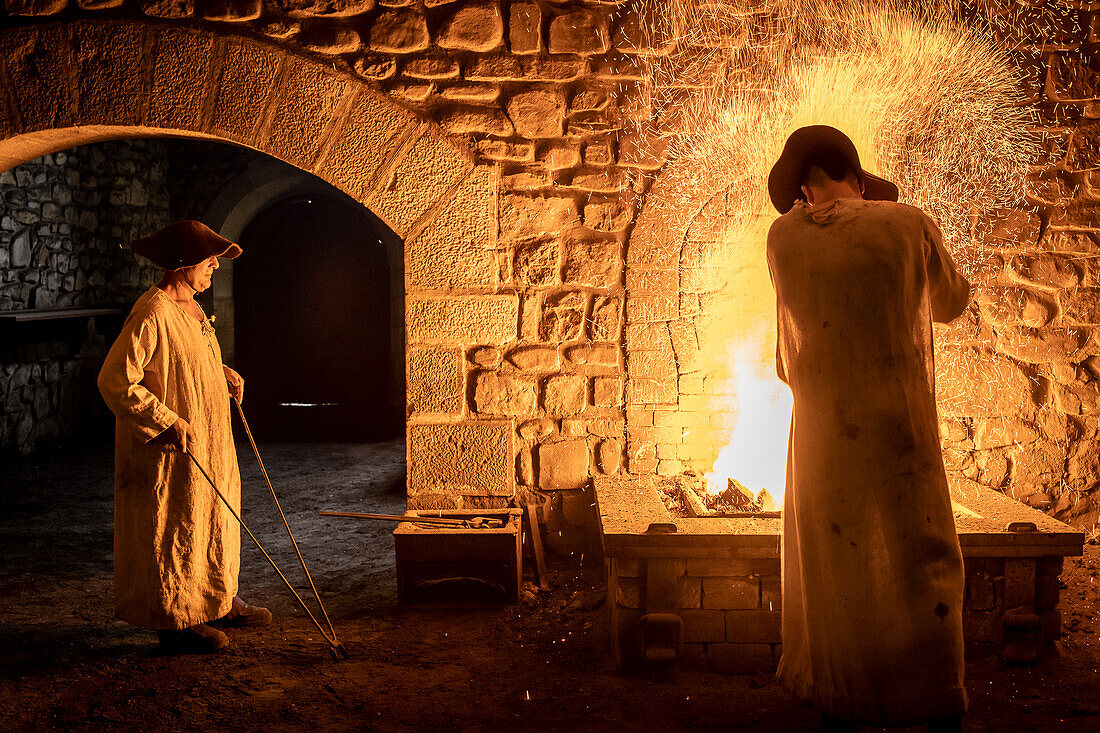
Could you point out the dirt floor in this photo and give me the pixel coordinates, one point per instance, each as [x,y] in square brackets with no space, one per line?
[542,665]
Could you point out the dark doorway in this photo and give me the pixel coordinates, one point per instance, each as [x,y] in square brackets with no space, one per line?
[312,305]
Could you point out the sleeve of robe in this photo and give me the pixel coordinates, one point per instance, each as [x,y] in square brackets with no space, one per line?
[949,291]
[780,365]
[120,382]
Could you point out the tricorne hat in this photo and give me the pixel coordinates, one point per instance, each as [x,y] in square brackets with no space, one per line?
[785,179]
[184,244]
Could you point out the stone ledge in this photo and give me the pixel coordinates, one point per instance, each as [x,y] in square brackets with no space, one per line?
[628,504]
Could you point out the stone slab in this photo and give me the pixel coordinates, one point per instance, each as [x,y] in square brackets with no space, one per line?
[430,167]
[37,65]
[367,139]
[466,459]
[457,250]
[628,504]
[435,380]
[563,465]
[181,60]
[248,72]
[108,60]
[308,98]
[472,320]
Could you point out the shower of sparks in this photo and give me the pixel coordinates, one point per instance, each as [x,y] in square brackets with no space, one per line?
[935,97]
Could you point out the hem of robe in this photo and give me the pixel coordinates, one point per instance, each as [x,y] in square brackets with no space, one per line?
[896,713]
[166,622]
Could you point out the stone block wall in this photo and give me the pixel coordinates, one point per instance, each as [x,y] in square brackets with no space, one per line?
[500,140]
[65,223]
[67,220]
[1000,588]
[1018,374]
[731,609]
[519,326]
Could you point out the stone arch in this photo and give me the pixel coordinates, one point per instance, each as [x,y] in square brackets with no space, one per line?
[263,183]
[662,343]
[80,81]
[68,84]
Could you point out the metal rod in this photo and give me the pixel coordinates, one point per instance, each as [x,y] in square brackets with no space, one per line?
[333,643]
[301,560]
[397,518]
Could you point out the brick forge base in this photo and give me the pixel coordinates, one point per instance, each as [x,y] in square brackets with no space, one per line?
[714,583]
[730,611]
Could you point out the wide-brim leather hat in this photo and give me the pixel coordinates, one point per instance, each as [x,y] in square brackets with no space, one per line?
[785,179]
[184,244]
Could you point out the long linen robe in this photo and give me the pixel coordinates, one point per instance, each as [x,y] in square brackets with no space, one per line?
[177,548]
[872,570]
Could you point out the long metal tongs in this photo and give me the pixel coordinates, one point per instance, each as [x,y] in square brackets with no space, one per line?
[460,522]
[335,647]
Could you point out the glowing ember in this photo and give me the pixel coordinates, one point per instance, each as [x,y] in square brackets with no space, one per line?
[932,101]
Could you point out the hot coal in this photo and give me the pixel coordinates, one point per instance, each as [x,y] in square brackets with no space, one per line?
[686,495]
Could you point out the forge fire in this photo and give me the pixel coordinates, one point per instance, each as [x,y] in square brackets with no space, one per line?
[549,363]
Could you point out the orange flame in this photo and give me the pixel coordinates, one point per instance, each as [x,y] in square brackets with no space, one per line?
[757,452]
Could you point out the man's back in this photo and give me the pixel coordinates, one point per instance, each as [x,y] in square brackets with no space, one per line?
[854,290]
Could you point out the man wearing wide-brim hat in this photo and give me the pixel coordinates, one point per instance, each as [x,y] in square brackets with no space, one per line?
[872,570]
[177,547]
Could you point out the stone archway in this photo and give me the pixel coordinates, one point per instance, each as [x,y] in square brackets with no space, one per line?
[72,83]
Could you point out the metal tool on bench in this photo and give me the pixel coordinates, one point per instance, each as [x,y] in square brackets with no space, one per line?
[335,647]
[459,522]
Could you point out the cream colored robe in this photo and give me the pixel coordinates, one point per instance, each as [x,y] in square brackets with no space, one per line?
[177,548]
[872,570]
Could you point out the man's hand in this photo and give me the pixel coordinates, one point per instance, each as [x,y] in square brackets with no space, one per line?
[236,383]
[179,436]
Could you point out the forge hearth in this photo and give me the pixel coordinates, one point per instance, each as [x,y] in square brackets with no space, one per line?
[721,577]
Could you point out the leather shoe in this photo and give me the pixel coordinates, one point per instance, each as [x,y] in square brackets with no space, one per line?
[243,614]
[199,639]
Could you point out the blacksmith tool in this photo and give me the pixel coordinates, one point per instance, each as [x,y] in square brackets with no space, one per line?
[335,647]
[459,522]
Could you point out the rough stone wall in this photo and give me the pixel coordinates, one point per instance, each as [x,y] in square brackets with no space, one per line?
[516,289]
[547,101]
[514,273]
[65,221]
[1032,428]
[1022,413]
[518,333]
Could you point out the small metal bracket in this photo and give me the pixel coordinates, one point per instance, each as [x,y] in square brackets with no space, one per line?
[1022,637]
[1021,527]
[661,636]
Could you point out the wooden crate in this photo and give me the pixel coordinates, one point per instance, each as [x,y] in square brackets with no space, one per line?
[449,567]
